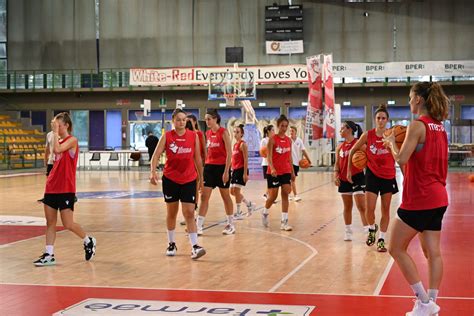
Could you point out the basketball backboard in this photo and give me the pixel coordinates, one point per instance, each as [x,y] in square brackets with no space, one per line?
[239,85]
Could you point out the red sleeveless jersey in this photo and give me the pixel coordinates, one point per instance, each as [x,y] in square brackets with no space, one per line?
[424,184]
[62,178]
[379,159]
[179,165]
[216,153]
[343,159]
[281,155]
[237,156]
[201,144]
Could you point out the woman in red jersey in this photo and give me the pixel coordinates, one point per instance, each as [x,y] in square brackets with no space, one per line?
[217,170]
[347,189]
[60,191]
[379,177]
[202,141]
[280,172]
[240,171]
[179,179]
[424,200]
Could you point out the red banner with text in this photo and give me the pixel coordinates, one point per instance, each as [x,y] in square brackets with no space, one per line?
[314,115]
[329,118]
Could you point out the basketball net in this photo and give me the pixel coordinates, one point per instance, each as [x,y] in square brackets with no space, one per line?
[230,98]
[139,115]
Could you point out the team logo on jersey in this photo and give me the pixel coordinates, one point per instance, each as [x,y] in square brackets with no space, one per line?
[373,149]
[179,150]
[174,148]
[343,153]
[281,150]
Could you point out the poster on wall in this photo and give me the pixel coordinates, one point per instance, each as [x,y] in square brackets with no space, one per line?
[314,114]
[329,118]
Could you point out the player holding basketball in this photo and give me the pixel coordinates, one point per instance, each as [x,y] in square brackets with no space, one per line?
[179,179]
[217,170]
[379,177]
[297,152]
[268,132]
[280,172]
[240,171]
[60,191]
[425,199]
[348,190]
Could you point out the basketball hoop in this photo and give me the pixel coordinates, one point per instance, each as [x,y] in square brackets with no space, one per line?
[230,98]
[139,115]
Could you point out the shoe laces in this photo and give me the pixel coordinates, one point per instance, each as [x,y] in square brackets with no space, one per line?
[172,246]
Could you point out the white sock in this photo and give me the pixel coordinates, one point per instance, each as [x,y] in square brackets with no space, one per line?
[238,207]
[420,292]
[348,228]
[230,219]
[265,210]
[366,228]
[382,235]
[284,217]
[50,249]
[433,294]
[372,226]
[193,238]
[171,236]
[200,221]
[86,240]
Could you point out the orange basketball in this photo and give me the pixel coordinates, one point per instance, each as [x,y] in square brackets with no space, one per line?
[263,152]
[304,163]
[359,159]
[471,177]
[400,132]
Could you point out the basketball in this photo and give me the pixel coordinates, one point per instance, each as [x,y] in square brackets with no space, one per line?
[471,177]
[400,132]
[304,163]
[359,160]
[263,152]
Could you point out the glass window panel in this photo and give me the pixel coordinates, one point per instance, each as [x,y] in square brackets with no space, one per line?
[337,79]
[58,81]
[125,79]
[375,80]
[3,50]
[139,132]
[463,78]
[39,81]
[73,80]
[420,78]
[352,80]
[111,79]
[80,123]
[20,81]
[397,79]
[440,78]
[3,20]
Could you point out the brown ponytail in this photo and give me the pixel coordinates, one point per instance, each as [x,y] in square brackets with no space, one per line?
[382,108]
[64,116]
[436,101]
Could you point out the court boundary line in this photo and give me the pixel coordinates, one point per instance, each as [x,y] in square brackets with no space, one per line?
[229,291]
[19,174]
[384,276]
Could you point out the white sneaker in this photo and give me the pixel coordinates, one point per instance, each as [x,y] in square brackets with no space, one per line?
[45,260]
[171,250]
[422,309]
[238,216]
[199,231]
[348,235]
[229,229]
[284,226]
[197,252]
[297,198]
[290,198]
[250,208]
[265,220]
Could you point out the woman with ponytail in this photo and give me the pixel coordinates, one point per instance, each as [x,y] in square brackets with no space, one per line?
[379,177]
[425,200]
[347,189]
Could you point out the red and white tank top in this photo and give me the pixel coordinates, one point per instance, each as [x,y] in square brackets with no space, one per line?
[379,159]
[201,144]
[62,178]
[281,155]
[179,166]
[343,159]
[237,156]
[216,153]
[424,184]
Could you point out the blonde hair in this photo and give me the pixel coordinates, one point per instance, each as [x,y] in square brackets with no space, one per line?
[64,116]
[436,101]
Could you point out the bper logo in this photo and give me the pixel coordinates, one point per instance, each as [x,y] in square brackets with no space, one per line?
[96,306]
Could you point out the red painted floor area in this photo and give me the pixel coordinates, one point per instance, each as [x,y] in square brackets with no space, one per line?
[457,248]
[12,233]
[45,300]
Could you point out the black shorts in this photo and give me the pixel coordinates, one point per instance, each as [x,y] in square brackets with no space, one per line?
[237,177]
[357,185]
[48,169]
[213,176]
[423,219]
[60,201]
[378,185]
[278,181]
[296,169]
[173,192]
[265,168]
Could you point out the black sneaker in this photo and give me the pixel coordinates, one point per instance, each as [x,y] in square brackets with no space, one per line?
[89,248]
[371,237]
[45,260]
[381,245]
[197,252]
[171,250]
